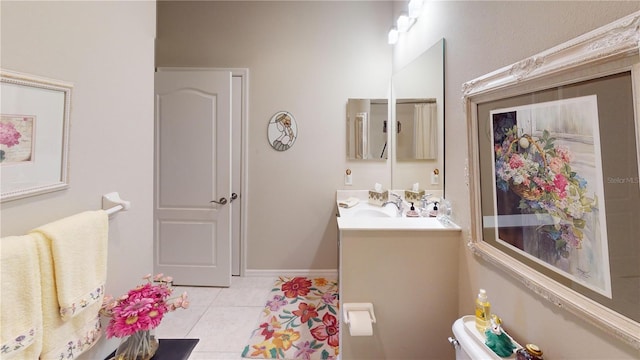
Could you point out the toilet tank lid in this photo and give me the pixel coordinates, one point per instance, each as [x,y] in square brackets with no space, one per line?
[471,341]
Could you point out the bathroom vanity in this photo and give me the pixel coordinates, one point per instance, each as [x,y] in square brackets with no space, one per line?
[408,269]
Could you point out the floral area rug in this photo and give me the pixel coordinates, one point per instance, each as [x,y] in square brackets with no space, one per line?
[299,321]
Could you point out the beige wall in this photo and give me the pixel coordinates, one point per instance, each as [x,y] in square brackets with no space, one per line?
[106,50]
[307,58]
[482,37]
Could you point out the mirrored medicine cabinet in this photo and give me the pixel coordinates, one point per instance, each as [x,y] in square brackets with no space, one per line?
[408,128]
[367,129]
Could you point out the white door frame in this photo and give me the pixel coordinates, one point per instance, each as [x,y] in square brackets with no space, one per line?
[242,73]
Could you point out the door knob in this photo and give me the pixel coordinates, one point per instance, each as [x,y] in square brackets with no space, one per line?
[222,201]
[234,196]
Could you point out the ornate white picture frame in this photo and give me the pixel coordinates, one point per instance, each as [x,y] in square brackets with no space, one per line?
[605,64]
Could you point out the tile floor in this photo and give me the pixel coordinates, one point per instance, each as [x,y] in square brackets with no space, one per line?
[222,318]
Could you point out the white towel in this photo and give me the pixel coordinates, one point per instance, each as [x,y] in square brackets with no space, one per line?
[62,339]
[79,252]
[20,299]
[349,202]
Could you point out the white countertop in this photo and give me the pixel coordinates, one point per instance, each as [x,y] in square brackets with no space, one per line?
[348,220]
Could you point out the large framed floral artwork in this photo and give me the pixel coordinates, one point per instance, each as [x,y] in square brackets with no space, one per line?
[34,135]
[554,178]
[549,187]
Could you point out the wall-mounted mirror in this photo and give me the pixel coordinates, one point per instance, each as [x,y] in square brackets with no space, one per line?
[418,108]
[416,143]
[367,129]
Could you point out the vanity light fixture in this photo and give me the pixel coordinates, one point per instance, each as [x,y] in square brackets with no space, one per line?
[393,36]
[406,20]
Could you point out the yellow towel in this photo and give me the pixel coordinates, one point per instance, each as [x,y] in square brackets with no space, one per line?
[20,299]
[62,339]
[79,250]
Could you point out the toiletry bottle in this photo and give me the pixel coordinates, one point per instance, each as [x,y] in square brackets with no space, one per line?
[412,212]
[483,312]
[434,212]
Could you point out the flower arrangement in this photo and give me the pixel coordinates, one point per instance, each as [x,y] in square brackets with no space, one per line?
[540,172]
[142,308]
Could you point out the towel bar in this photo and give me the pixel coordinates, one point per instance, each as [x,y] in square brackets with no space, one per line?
[112,203]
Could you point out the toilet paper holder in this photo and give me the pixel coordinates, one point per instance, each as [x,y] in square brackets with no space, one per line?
[347,307]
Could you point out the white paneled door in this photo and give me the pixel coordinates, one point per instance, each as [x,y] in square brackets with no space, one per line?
[193,198]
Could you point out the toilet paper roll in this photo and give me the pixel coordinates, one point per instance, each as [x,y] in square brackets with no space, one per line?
[360,323]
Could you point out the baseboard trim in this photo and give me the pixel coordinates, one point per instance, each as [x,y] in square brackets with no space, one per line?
[290,272]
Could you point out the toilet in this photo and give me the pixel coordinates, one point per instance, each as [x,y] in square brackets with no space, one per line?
[469,342]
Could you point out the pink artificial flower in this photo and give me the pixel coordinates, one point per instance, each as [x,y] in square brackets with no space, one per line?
[120,326]
[185,300]
[180,302]
[109,302]
[142,308]
[137,306]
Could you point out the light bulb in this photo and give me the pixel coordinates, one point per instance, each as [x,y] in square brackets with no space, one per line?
[415,8]
[393,36]
[403,23]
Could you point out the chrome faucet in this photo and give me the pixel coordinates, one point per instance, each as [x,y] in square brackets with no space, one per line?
[425,200]
[398,202]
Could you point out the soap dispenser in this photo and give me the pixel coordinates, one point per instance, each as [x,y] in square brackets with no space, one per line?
[412,212]
[434,211]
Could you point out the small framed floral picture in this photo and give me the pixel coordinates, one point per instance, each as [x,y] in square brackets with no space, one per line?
[34,135]
[554,174]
